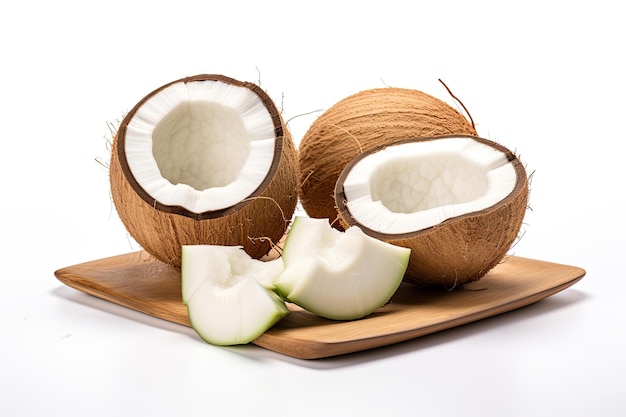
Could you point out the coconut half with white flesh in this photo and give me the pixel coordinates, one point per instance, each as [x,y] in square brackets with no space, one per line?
[457,202]
[204,160]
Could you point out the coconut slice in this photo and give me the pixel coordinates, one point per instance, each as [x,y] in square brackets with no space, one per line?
[204,160]
[226,293]
[456,201]
[338,275]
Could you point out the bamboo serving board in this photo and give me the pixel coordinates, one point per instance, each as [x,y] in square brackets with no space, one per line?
[136,281]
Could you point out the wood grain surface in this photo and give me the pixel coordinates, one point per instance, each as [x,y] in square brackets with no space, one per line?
[134,280]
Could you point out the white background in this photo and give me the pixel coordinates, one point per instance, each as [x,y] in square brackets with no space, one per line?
[545,78]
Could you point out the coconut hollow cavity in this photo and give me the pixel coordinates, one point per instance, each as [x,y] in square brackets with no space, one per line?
[204,160]
[201,145]
[457,201]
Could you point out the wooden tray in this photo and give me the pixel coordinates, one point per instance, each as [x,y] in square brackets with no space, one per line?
[136,281]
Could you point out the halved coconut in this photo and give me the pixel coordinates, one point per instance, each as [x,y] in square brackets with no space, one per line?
[359,123]
[204,160]
[457,202]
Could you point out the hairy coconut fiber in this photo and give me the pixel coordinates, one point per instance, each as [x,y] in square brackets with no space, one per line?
[362,122]
[461,249]
[254,223]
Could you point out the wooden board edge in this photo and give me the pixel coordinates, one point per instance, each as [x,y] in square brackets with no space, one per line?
[311,350]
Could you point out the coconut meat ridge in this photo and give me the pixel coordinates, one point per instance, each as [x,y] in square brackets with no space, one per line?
[416,185]
[202,145]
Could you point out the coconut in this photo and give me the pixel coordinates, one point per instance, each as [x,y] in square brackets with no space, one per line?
[359,123]
[204,160]
[457,202]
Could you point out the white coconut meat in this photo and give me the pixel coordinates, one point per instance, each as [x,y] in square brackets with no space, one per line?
[416,185]
[338,275]
[202,145]
[228,294]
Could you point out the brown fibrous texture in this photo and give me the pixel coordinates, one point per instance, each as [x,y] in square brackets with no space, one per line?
[359,123]
[463,249]
[256,223]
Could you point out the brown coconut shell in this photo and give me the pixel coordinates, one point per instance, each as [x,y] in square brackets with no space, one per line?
[461,249]
[255,223]
[359,123]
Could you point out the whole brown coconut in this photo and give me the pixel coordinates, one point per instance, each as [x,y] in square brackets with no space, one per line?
[362,122]
[459,207]
[196,138]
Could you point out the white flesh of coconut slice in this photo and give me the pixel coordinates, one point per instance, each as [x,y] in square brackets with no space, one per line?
[228,294]
[417,185]
[339,275]
[176,142]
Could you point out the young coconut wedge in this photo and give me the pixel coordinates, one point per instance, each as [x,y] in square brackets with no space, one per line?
[457,202]
[204,160]
[362,122]
[228,294]
[338,275]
